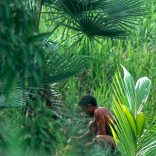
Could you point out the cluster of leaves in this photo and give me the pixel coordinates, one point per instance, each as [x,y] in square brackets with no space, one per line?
[29,65]
[134,136]
[18,53]
[40,133]
[26,59]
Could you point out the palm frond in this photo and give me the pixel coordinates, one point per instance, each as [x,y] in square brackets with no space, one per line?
[125,8]
[132,134]
[73,8]
[119,89]
[126,141]
[94,25]
[59,66]
[147,143]
[97,18]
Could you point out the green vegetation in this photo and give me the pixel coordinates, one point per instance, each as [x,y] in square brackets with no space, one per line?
[54,52]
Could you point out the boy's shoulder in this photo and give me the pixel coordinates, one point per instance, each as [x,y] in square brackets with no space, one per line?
[101,110]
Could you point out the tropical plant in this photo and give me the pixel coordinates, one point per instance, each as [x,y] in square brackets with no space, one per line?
[38,135]
[95,19]
[30,66]
[18,52]
[27,60]
[133,135]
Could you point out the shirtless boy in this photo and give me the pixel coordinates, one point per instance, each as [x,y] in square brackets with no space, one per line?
[102,118]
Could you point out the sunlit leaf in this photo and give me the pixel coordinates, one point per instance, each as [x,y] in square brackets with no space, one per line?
[130,119]
[129,89]
[140,122]
[142,88]
[114,135]
[124,131]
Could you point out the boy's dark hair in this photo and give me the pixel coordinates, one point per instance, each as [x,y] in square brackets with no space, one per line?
[87,99]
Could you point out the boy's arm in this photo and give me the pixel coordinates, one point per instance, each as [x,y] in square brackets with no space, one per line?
[91,131]
[82,136]
[100,122]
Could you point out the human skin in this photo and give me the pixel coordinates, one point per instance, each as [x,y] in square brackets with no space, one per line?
[100,126]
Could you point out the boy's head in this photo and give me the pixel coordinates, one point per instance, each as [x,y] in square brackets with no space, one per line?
[88,104]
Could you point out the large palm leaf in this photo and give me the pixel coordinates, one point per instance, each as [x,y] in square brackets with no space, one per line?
[59,66]
[92,18]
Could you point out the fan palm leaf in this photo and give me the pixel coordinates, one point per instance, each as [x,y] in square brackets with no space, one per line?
[73,8]
[61,65]
[97,18]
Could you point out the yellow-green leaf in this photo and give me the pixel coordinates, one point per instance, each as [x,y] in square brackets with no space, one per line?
[140,122]
[114,134]
[130,119]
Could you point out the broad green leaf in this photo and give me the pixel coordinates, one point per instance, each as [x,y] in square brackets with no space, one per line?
[142,89]
[140,122]
[129,89]
[130,119]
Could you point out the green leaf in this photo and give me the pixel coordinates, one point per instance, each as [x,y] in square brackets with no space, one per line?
[129,89]
[128,124]
[124,131]
[130,119]
[59,66]
[142,89]
[147,142]
[140,122]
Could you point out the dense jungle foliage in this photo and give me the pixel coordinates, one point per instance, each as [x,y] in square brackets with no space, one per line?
[52,52]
